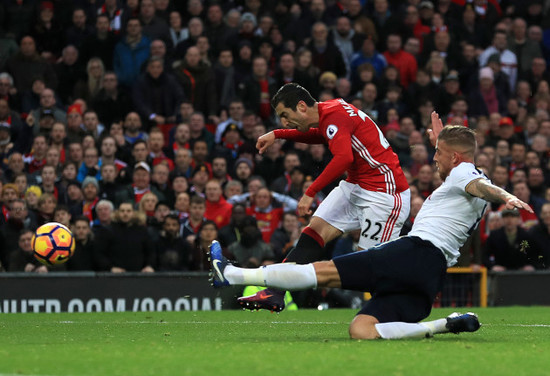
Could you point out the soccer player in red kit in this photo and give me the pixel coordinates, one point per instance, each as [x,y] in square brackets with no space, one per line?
[375,197]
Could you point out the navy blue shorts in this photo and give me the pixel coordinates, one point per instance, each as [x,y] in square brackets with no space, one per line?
[403,277]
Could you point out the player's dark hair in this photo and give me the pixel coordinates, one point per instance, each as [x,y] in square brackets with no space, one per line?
[458,135]
[290,94]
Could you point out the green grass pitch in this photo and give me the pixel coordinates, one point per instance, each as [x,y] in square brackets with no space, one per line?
[512,341]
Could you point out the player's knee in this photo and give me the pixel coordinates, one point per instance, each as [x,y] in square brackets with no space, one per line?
[363,327]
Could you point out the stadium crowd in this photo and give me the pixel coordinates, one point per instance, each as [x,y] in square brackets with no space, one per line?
[135,122]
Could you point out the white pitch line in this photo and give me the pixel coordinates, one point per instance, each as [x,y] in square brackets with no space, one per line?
[522,325]
[206,322]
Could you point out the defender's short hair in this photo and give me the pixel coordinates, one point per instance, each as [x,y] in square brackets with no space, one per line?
[458,135]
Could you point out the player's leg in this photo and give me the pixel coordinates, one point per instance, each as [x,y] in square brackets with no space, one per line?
[282,276]
[335,215]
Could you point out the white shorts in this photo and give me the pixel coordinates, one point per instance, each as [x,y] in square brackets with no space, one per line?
[380,216]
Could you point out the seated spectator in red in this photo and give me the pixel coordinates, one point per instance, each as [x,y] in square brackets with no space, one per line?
[404,62]
[217,208]
[268,217]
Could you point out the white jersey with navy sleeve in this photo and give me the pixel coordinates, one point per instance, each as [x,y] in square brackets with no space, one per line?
[450,214]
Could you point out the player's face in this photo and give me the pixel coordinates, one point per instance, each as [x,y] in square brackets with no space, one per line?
[294,119]
[443,158]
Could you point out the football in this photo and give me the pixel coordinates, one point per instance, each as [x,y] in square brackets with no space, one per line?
[53,244]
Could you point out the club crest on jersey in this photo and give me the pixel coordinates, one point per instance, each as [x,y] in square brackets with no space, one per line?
[331,131]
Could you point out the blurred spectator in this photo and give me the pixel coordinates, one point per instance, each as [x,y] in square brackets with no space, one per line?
[173,253]
[141,179]
[79,30]
[45,208]
[130,53]
[17,221]
[127,245]
[197,80]
[403,61]
[231,232]
[22,259]
[154,27]
[524,49]
[115,14]
[251,251]
[90,165]
[508,59]
[133,130]
[226,77]
[84,258]
[521,190]
[104,210]
[88,89]
[505,249]
[266,214]
[235,112]
[326,56]
[101,44]
[36,159]
[198,132]
[218,209]
[111,103]
[540,236]
[486,99]
[206,233]
[156,94]
[8,92]
[46,108]
[286,236]
[48,32]
[190,226]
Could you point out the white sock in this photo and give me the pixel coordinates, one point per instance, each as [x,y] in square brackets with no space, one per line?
[397,330]
[282,276]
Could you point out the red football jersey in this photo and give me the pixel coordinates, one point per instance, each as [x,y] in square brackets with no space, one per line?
[358,146]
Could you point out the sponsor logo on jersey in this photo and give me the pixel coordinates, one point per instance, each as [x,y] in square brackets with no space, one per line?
[331,131]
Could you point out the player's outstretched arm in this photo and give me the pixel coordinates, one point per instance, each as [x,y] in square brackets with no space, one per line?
[483,189]
[437,126]
[265,141]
